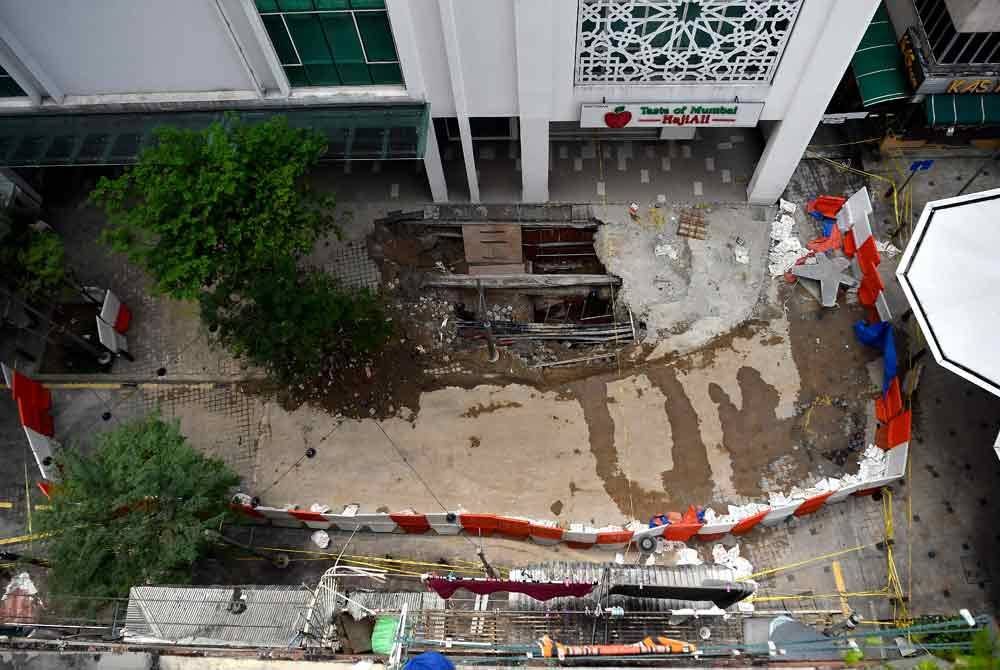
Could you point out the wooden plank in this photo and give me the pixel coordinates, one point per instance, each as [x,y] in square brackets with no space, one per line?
[498,243]
[498,269]
[520,281]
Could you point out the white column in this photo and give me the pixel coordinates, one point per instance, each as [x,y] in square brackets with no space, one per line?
[534,159]
[432,166]
[844,26]
[407,49]
[533,26]
[25,70]
[263,42]
[450,32]
[401,20]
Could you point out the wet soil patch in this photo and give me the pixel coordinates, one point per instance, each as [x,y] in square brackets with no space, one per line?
[752,434]
[476,410]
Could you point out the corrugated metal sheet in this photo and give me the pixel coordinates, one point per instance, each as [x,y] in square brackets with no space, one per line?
[273,617]
[392,601]
[578,571]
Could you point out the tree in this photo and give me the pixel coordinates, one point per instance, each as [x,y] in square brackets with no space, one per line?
[132,512]
[224,202]
[224,216]
[32,260]
[291,322]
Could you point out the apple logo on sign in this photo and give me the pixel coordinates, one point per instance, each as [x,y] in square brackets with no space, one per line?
[618,118]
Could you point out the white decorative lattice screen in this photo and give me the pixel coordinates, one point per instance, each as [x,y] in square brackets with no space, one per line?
[669,41]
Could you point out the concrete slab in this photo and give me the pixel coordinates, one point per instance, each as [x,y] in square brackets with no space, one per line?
[687,302]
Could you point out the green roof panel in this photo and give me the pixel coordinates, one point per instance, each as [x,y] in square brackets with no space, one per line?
[878,63]
[360,132]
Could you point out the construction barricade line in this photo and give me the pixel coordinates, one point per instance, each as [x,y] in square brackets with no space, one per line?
[692,524]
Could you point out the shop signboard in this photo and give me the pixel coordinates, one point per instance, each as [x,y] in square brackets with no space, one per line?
[684,114]
[913,61]
[925,80]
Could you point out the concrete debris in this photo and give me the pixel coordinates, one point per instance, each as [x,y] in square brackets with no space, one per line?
[321,539]
[667,250]
[787,248]
[21,584]
[688,556]
[778,499]
[730,558]
[741,254]
[781,228]
[873,463]
[735,513]
[887,248]
[786,207]
[650,560]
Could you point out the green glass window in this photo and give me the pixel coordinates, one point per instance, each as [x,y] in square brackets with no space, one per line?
[332,42]
[9,87]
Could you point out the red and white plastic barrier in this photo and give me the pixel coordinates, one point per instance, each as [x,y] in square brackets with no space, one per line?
[33,404]
[113,323]
[859,245]
[880,468]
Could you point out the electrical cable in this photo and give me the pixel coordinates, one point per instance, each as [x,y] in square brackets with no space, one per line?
[402,456]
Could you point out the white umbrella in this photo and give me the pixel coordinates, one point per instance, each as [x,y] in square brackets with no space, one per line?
[950,273]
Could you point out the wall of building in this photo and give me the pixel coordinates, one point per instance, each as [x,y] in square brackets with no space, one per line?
[466,58]
[489,52]
[123,46]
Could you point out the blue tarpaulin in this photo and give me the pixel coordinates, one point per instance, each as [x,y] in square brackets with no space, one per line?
[825,220]
[879,335]
[429,660]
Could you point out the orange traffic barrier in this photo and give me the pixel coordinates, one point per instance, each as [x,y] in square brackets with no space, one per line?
[545,534]
[827,205]
[685,528]
[746,524]
[411,523]
[246,510]
[868,258]
[830,243]
[871,287]
[890,404]
[621,537]
[519,528]
[812,504]
[479,524]
[850,248]
[896,432]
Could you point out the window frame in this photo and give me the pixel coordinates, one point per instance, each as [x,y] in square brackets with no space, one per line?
[282,14]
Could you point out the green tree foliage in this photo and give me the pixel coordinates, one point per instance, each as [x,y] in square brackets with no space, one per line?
[31,261]
[224,216]
[202,206]
[132,512]
[289,321]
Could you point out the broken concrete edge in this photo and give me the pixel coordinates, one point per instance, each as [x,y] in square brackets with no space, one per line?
[877,469]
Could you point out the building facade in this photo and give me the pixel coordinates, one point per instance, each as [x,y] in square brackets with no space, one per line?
[83,81]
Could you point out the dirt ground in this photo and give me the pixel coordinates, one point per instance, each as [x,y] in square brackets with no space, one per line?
[775,403]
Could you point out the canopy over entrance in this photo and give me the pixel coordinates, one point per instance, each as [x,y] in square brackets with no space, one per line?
[878,63]
[356,132]
[950,275]
[962,110]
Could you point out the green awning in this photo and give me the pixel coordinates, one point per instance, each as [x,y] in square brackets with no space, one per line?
[962,110]
[354,133]
[878,63]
